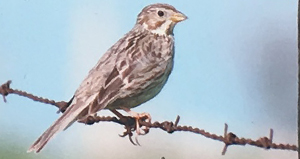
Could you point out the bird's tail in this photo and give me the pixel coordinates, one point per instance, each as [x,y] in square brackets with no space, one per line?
[67,118]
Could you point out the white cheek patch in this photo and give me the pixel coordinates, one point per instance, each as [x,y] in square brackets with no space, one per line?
[164,28]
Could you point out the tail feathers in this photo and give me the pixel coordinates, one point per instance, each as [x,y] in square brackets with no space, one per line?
[68,117]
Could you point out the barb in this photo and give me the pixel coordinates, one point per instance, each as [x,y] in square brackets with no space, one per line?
[168,126]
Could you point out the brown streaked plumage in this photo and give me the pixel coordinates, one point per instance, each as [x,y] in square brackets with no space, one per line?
[131,72]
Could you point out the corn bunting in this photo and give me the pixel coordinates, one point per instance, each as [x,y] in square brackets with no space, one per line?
[131,72]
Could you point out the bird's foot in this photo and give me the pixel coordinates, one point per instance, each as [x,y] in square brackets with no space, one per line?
[140,130]
[132,123]
[138,117]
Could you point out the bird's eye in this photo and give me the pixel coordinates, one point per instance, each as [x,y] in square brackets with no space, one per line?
[160,13]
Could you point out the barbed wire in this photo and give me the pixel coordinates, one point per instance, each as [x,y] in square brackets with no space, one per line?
[228,138]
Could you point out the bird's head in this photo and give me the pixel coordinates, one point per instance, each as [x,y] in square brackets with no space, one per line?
[160,18]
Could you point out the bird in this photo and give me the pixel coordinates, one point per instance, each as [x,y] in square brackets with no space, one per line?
[131,72]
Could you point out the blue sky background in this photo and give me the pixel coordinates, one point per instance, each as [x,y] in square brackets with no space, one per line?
[235,63]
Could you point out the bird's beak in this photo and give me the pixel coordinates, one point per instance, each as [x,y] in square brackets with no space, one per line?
[178,17]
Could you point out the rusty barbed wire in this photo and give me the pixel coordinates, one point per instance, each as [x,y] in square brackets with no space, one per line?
[5,90]
[228,138]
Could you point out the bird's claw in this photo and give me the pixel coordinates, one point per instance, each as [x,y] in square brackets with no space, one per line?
[130,134]
[140,130]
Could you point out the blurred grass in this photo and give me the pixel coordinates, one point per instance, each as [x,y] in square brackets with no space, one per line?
[13,148]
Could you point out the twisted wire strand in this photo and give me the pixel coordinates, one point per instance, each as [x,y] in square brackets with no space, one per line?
[228,138]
